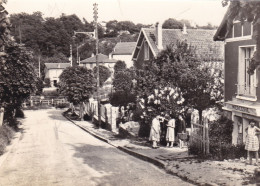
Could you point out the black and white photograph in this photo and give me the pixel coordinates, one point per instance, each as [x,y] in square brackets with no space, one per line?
[129,92]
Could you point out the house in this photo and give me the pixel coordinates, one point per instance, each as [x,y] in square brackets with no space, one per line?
[241,92]
[152,40]
[103,60]
[123,51]
[54,70]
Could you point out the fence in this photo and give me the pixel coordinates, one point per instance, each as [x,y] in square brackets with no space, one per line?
[52,102]
[108,113]
[200,135]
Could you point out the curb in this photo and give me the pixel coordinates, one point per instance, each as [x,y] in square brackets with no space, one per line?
[93,134]
[16,138]
[126,150]
[141,156]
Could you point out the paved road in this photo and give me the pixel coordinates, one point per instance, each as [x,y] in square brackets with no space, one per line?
[53,151]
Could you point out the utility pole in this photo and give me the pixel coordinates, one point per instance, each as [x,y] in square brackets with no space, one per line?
[71,55]
[39,58]
[97,62]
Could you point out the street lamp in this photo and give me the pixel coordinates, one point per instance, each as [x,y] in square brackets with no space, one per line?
[90,34]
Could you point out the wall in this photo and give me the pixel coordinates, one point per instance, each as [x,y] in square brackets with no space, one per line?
[126,58]
[231,66]
[53,74]
[140,58]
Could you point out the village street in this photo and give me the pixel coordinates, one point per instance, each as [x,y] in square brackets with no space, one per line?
[53,151]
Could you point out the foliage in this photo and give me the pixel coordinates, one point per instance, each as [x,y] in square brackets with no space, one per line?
[39,86]
[221,130]
[77,84]
[123,81]
[121,98]
[47,82]
[119,66]
[6,134]
[172,24]
[14,90]
[246,11]
[104,73]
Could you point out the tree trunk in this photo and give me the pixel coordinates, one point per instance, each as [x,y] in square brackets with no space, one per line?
[200,116]
[81,111]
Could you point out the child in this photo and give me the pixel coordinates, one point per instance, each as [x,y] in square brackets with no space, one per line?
[252,143]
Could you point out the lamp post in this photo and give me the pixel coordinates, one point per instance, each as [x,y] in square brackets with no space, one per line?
[90,34]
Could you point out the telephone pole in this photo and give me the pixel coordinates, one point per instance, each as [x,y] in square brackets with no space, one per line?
[97,62]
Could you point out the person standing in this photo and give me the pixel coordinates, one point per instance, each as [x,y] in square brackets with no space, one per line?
[170,134]
[155,132]
[181,130]
[252,142]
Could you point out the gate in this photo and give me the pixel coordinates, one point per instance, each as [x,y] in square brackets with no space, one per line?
[200,135]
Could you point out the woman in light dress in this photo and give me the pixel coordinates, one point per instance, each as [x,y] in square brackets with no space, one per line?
[170,134]
[155,132]
[252,142]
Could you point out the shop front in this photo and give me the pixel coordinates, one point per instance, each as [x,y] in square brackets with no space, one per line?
[241,113]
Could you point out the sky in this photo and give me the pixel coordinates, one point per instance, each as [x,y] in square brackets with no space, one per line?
[199,12]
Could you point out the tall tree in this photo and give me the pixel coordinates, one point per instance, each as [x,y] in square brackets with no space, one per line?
[104,73]
[172,24]
[77,84]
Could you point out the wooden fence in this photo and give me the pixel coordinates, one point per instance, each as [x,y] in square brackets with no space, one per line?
[200,135]
[53,102]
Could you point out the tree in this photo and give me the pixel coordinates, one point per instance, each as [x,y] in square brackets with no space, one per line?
[104,73]
[119,66]
[14,90]
[172,24]
[246,11]
[77,84]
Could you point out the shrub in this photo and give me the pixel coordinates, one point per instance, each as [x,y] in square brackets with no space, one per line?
[19,113]
[47,82]
[121,98]
[63,105]
[6,134]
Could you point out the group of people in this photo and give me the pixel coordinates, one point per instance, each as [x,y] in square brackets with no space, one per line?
[163,129]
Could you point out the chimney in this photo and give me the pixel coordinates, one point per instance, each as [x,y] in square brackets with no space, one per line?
[184,30]
[158,29]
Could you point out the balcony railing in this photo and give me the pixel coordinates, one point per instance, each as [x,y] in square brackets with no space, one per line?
[248,91]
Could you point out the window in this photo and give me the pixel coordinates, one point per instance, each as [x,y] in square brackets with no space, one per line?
[246,82]
[146,50]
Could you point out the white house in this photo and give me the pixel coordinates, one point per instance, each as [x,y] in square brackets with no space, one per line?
[54,70]
[123,51]
[104,60]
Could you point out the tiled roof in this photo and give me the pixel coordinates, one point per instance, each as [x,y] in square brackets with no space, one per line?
[124,48]
[101,58]
[200,39]
[57,65]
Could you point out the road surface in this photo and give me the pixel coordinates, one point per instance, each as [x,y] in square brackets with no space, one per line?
[53,151]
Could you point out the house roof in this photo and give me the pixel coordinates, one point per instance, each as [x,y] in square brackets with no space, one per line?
[124,48]
[57,65]
[200,39]
[101,58]
[220,34]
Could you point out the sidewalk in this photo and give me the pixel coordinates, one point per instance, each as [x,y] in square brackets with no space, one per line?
[177,161]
